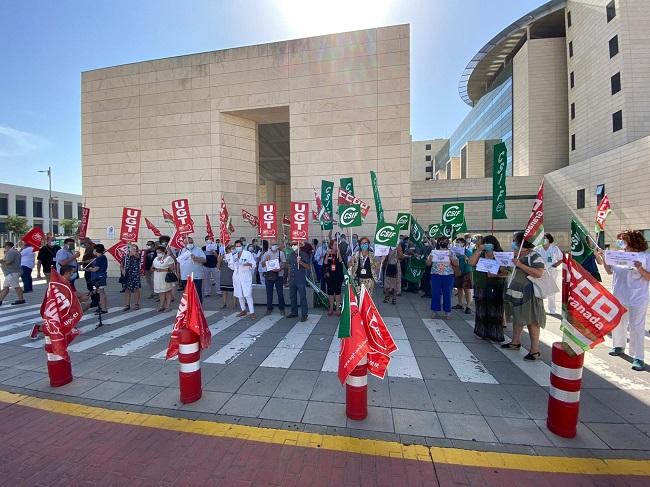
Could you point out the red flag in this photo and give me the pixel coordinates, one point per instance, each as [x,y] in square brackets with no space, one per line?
[378,364]
[130,224]
[379,337]
[182,218]
[61,311]
[224,219]
[534,232]
[299,221]
[314,216]
[176,242]
[118,251]
[601,213]
[249,217]
[34,238]
[208,228]
[83,226]
[346,198]
[355,347]
[190,315]
[285,220]
[320,210]
[167,216]
[268,219]
[152,227]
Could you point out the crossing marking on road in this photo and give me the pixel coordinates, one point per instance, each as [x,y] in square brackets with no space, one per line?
[402,362]
[8,309]
[291,345]
[236,347]
[467,367]
[21,319]
[331,363]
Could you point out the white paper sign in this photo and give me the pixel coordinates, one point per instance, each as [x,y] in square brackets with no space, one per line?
[626,259]
[381,250]
[110,232]
[458,250]
[488,265]
[504,258]
[440,256]
[184,257]
[273,265]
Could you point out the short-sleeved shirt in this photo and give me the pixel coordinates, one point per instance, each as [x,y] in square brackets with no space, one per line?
[46,256]
[27,257]
[101,262]
[62,255]
[277,255]
[210,255]
[298,274]
[629,286]
[188,266]
[550,256]
[11,263]
[520,282]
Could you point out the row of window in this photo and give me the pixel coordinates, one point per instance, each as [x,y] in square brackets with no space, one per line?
[610,11]
[37,224]
[37,207]
[580,196]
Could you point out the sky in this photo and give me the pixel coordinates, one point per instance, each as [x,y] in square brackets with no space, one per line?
[47,44]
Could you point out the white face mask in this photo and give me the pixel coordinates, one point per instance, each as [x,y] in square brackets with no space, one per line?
[274,247]
[189,246]
[294,247]
[159,254]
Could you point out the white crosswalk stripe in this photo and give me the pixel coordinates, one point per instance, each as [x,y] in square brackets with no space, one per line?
[331,363]
[20,319]
[290,346]
[402,362]
[240,343]
[8,309]
[467,367]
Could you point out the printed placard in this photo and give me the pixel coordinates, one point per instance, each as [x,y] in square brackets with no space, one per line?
[299,229]
[620,258]
[504,258]
[130,224]
[488,265]
[268,220]
[440,256]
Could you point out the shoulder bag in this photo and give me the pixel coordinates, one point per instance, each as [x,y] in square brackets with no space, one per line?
[544,286]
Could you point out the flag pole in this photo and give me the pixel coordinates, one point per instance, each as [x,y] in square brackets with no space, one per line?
[512,276]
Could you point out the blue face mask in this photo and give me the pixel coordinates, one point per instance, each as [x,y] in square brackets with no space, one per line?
[364,246]
[239,249]
[514,246]
[488,247]
[620,244]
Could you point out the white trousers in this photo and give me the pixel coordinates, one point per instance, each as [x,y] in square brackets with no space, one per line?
[551,299]
[209,274]
[634,319]
[247,300]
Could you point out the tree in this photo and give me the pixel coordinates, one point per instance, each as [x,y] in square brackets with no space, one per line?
[69,225]
[17,225]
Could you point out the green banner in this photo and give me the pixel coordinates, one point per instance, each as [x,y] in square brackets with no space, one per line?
[345,321]
[499,168]
[417,233]
[580,249]
[348,185]
[326,195]
[459,227]
[415,268]
[434,230]
[404,221]
[453,213]
[448,231]
[375,193]
[349,216]
[386,234]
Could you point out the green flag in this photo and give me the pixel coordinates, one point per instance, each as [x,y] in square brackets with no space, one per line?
[404,221]
[348,185]
[459,227]
[326,194]
[453,213]
[499,167]
[580,249]
[345,321]
[417,233]
[349,216]
[448,231]
[415,268]
[434,230]
[320,297]
[375,193]
[386,234]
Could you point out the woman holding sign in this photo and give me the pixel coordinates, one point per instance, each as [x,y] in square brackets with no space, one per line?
[630,285]
[442,262]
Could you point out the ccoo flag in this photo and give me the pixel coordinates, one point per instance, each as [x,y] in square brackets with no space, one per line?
[602,211]
[534,232]
[499,168]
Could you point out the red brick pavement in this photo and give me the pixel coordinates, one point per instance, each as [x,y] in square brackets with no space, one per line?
[39,448]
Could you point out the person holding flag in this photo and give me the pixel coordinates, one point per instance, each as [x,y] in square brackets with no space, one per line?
[552,257]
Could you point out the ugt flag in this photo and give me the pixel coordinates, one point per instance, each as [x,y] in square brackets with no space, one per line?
[61,311]
[589,310]
[602,211]
[190,315]
[35,238]
[534,232]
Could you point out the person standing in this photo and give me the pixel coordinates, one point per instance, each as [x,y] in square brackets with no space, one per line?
[99,276]
[298,267]
[68,256]
[132,284]
[161,265]
[273,263]
[225,273]
[86,260]
[149,254]
[463,282]
[211,251]
[442,278]
[11,269]
[552,257]
[333,269]
[242,263]
[191,260]
[364,267]
[630,286]
[27,258]
[319,261]
[392,274]
[46,258]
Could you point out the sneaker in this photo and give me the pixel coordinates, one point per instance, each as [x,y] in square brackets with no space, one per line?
[458,306]
[35,331]
[616,351]
[20,301]
[638,364]
[468,311]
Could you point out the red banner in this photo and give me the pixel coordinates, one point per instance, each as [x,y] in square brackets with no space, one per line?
[35,238]
[346,198]
[130,224]
[268,220]
[534,232]
[176,242]
[118,251]
[167,216]
[190,315]
[250,218]
[355,347]
[182,218]
[601,213]
[208,228]
[83,226]
[152,227]
[61,311]
[224,219]
[314,216]
[299,221]
[379,337]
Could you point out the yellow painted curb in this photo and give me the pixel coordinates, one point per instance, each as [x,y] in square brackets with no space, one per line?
[452,456]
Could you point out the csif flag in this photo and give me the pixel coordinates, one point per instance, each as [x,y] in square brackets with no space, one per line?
[347,184]
[603,210]
[386,234]
[453,213]
[152,227]
[324,204]
[404,221]
[349,216]
[580,249]
[417,233]
[415,268]
[534,232]
[434,230]
[499,168]
[61,311]
[190,315]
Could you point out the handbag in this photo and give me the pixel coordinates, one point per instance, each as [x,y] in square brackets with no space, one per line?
[122,279]
[544,286]
[170,277]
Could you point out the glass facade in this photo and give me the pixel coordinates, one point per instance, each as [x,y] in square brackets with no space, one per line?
[490,119]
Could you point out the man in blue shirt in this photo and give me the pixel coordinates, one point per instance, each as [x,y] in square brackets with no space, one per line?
[299,264]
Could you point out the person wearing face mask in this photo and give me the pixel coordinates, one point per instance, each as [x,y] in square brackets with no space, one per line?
[333,268]
[226,285]
[149,254]
[11,271]
[488,292]
[67,256]
[273,264]
[442,278]
[191,260]
[87,257]
[210,271]
[46,258]
[99,275]
[364,267]
[298,263]
[552,257]
[242,263]
[161,265]
[630,285]
[319,256]
[132,284]
[463,282]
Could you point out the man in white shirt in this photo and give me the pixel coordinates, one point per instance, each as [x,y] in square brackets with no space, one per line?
[242,263]
[210,268]
[27,262]
[552,257]
[191,260]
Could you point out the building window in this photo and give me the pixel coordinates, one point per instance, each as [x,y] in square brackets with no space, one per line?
[428,169]
[427,147]
[449,170]
[616,83]
[580,199]
[617,121]
[55,228]
[67,209]
[573,141]
[573,111]
[21,205]
[55,208]
[613,46]
[570,48]
[600,193]
[4,204]
[38,224]
[568,19]
[572,79]
[79,211]
[611,11]
[37,208]
[427,158]
[3,227]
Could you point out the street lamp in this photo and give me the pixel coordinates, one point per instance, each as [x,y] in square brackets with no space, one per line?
[49,175]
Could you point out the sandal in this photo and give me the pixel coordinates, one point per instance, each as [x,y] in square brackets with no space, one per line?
[532,356]
[385,299]
[394,301]
[511,346]
[136,306]
[126,308]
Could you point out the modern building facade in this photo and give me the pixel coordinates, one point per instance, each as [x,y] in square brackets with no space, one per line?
[565,88]
[32,204]
[423,157]
[250,124]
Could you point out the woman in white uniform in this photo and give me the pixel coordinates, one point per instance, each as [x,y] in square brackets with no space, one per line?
[552,256]
[243,264]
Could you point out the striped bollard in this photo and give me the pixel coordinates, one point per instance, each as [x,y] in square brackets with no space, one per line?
[59,369]
[564,392]
[356,391]
[189,358]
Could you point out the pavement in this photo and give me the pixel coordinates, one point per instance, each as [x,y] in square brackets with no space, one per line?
[446,391]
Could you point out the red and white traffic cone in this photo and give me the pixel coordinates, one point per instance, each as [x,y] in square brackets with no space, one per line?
[59,369]
[356,391]
[189,358]
[564,392]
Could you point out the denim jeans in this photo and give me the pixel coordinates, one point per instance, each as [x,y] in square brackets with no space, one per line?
[441,286]
[198,284]
[294,290]
[27,279]
[277,285]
